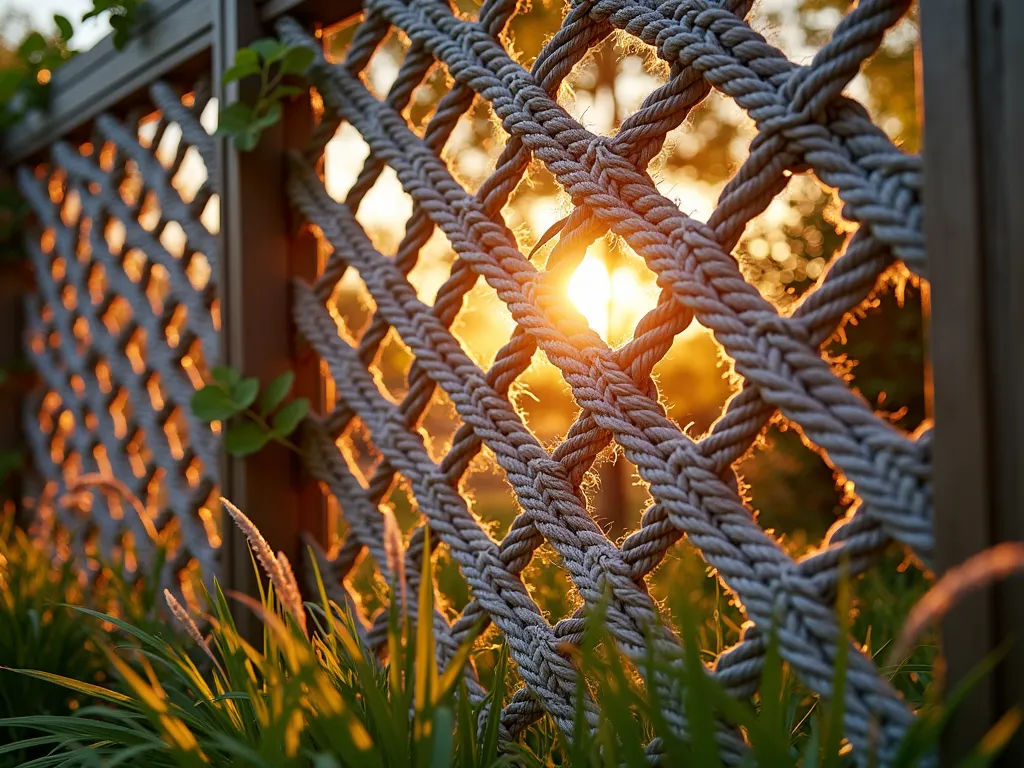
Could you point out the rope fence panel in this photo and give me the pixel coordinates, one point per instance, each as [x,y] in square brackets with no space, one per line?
[121,328]
[804,123]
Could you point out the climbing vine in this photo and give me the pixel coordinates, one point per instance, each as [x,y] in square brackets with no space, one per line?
[124,15]
[275,64]
[251,418]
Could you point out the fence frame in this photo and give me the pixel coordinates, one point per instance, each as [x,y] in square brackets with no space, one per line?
[262,245]
[974,153]
[173,37]
[972,65]
[262,248]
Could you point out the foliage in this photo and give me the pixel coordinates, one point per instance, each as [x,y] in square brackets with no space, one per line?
[258,418]
[25,76]
[273,62]
[10,462]
[124,15]
[40,634]
[36,634]
[321,698]
[24,83]
[13,210]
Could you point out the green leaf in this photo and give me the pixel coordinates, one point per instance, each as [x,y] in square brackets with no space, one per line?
[466,728]
[121,23]
[246,63]
[237,73]
[98,7]
[489,745]
[453,672]
[425,682]
[698,690]
[245,439]
[271,117]
[10,462]
[38,741]
[283,92]
[228,696]
[87,689]
[64,27]
[444,737]
[32,44]
[269,50]
[234,119]
[148,639]
[212,403]
[812,749]
[288,418]
[618,704]
[244,393]
[247,139]
[833,734]
[10,82]
[771,687]
[225,376]
[297,60]
[276,392]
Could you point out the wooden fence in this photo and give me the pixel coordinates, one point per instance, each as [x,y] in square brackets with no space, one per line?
[240,314]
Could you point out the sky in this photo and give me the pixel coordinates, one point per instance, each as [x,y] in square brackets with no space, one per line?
[40,14]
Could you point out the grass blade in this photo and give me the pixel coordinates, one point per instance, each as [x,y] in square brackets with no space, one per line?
[489,745]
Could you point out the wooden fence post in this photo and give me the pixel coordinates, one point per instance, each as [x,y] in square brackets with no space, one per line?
[13,282]
[973,70]
[261,251]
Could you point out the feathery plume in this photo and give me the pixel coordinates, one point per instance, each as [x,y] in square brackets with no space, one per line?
[271,566]
[291,596]
[259,545]
[190,627]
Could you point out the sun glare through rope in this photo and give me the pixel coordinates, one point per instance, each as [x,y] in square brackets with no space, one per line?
[590,291]
[612,300]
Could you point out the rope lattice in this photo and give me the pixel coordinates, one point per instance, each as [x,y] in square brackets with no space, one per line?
[124,320]
[804,122]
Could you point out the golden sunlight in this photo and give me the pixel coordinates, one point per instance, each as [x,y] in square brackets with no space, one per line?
[612,300]
[590,291]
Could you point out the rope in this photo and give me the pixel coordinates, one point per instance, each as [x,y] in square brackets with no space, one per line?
[804,122]
[89,312]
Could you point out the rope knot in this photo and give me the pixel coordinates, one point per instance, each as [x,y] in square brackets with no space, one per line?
[605,567]
[770,324]
[791,586]
[597,151]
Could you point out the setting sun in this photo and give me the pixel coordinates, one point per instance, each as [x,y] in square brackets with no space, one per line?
[590,291]
[612,302]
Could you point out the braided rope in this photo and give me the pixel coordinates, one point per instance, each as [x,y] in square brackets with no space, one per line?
[118,347]
[803,122]
[99,313]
